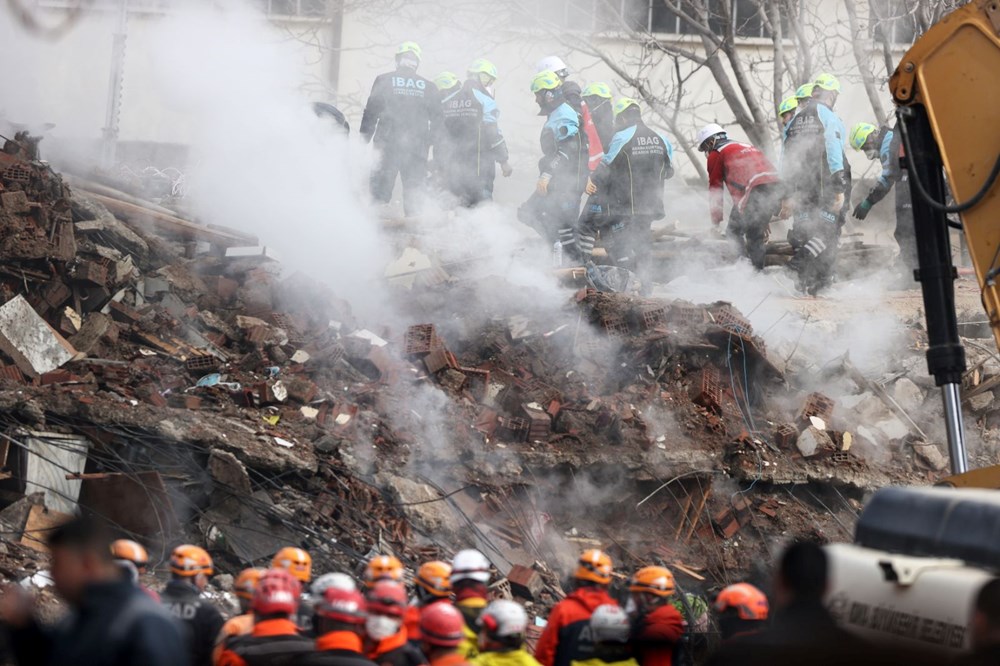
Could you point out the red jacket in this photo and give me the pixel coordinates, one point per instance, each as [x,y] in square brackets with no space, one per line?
[741,167]
[560,641]
[655,635]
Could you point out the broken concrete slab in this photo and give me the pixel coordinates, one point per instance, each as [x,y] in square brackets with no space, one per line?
[52,456]
[981,402]
[431,517]
[258,251]
[224,467]
[811,440]
[96,326]
[908,395]
[892,428]
[34,346]
[930,455]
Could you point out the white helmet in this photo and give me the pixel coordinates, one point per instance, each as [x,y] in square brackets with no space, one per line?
[707,132]
[470,565]
[551,63]
[334,581]
[504,619]
[609,624]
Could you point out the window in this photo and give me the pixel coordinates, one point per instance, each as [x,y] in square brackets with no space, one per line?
[302,8]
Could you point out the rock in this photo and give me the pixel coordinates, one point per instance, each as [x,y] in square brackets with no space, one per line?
[433,517]
[228,471]
[326,444]
[892,428]
[930,456]
[95,327]
[869,408]
[908,395]
[866,444]
[223,582]
[982,402]
[811,440]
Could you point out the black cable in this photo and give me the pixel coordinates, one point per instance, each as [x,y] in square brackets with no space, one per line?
[925,195]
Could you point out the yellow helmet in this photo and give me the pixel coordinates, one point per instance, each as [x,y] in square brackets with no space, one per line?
[594,566]
[597,90]
[446,81]
[295,561]
[788,105]
[189,561]
[483,66]
[547,80]
[828,82]
[805,91]
[624,103]
[409,47]
[860,134]
[654,580]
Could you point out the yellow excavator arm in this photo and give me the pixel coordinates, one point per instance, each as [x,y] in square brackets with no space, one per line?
[947,91]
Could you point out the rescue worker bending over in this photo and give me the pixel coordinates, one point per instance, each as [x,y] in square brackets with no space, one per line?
[657,625]
[786,110]
[470,575]
[441,634]
[190,567]
[340,622]
[753,186]
[502,627]
[597,97]
[298,563]
[567,637]
[814,169]
[242,624]
[885,145]
[609,626]
[471,133]
[741,610]
[631,176]
[401,115]
[573,95]
[275,638]
[432,586]
[554,206]
[134,560]
[387,642]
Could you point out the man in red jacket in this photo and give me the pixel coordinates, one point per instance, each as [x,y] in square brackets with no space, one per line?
[753,185]
[567,636]
[657,626]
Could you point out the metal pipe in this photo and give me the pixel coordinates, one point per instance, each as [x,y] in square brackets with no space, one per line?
[951,393]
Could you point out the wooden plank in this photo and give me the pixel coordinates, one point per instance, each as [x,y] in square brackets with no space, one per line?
[684,517]
[41,522]
[697,514]
[168,224]
[690,572]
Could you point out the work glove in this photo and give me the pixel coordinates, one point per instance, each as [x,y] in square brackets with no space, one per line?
[861,210]
[591,187]
[542,187]
[506,169]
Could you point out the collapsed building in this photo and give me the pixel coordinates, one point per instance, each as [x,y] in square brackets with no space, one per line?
[171,378]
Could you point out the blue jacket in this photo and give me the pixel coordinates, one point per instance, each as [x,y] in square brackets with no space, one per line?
[564,149]
[633,170]
[813,161]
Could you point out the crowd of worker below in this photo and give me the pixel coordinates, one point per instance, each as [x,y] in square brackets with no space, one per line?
[450,619]
[595,146]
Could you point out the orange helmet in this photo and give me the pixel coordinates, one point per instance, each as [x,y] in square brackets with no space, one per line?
[246,583]
[295,561]
[126,549]
[748,602]
[594,566]
[435,578]
[383,567]
[188,561]
[654,580]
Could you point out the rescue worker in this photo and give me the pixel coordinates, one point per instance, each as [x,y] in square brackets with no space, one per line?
[884,144]
[817,176]
[242,624]
[110,622]
[134,560]
[567,637]
[401,116]
[387,642]
[298,563]
[470,575]
[753,186]
[657,626]
[275,638]
[432,585]
[190,567]
[339,581]
[445,144]
[340,625]
[502,628]
[554,206]
[786,110]
[609,626]
[631,176]
[597,96]
[383,567]
[476,144]
[441,634]
[804,96]
[741,610]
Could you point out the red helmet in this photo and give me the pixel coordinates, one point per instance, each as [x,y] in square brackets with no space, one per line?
[387,597]
[341,605]
[277,593]
[442,624]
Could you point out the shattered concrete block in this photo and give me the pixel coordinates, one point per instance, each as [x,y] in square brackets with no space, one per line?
[525,582]
[154,285]
[812,440]
[981,402]
[258,251]
[707,390]
[228,471]
[785,435]
[892,428]
[92,272]
[908,395]
[96,326]
[222,287]
[421,339]
[539,423]
[26,338]
[816,404]
[930,455]
[15,202]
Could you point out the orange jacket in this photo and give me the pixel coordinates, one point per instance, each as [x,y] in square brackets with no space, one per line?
[450,659]
[240,625]
[262,629]
[558,645]
[411,620]
[339,640]
[655,635]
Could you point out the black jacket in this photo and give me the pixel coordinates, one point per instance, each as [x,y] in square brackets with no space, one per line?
[333,658]
[402,113]
[633,170]
[117,625]
[202,620]
[270,650]
[603,117]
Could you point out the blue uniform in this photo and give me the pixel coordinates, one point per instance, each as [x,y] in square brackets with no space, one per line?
[470,143]
[894,176]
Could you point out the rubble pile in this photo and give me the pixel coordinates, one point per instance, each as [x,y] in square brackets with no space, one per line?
[169,377]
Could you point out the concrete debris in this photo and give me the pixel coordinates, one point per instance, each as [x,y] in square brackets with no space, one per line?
[812,440]
[30,341]
[930,455]
[981,402]
[908,395]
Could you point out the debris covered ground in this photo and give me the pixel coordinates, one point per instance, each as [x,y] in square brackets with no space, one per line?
[174,379]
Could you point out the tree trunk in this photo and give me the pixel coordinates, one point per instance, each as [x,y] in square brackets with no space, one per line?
[862,60]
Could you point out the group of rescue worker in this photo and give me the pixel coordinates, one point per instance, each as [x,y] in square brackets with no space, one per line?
[596,147]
